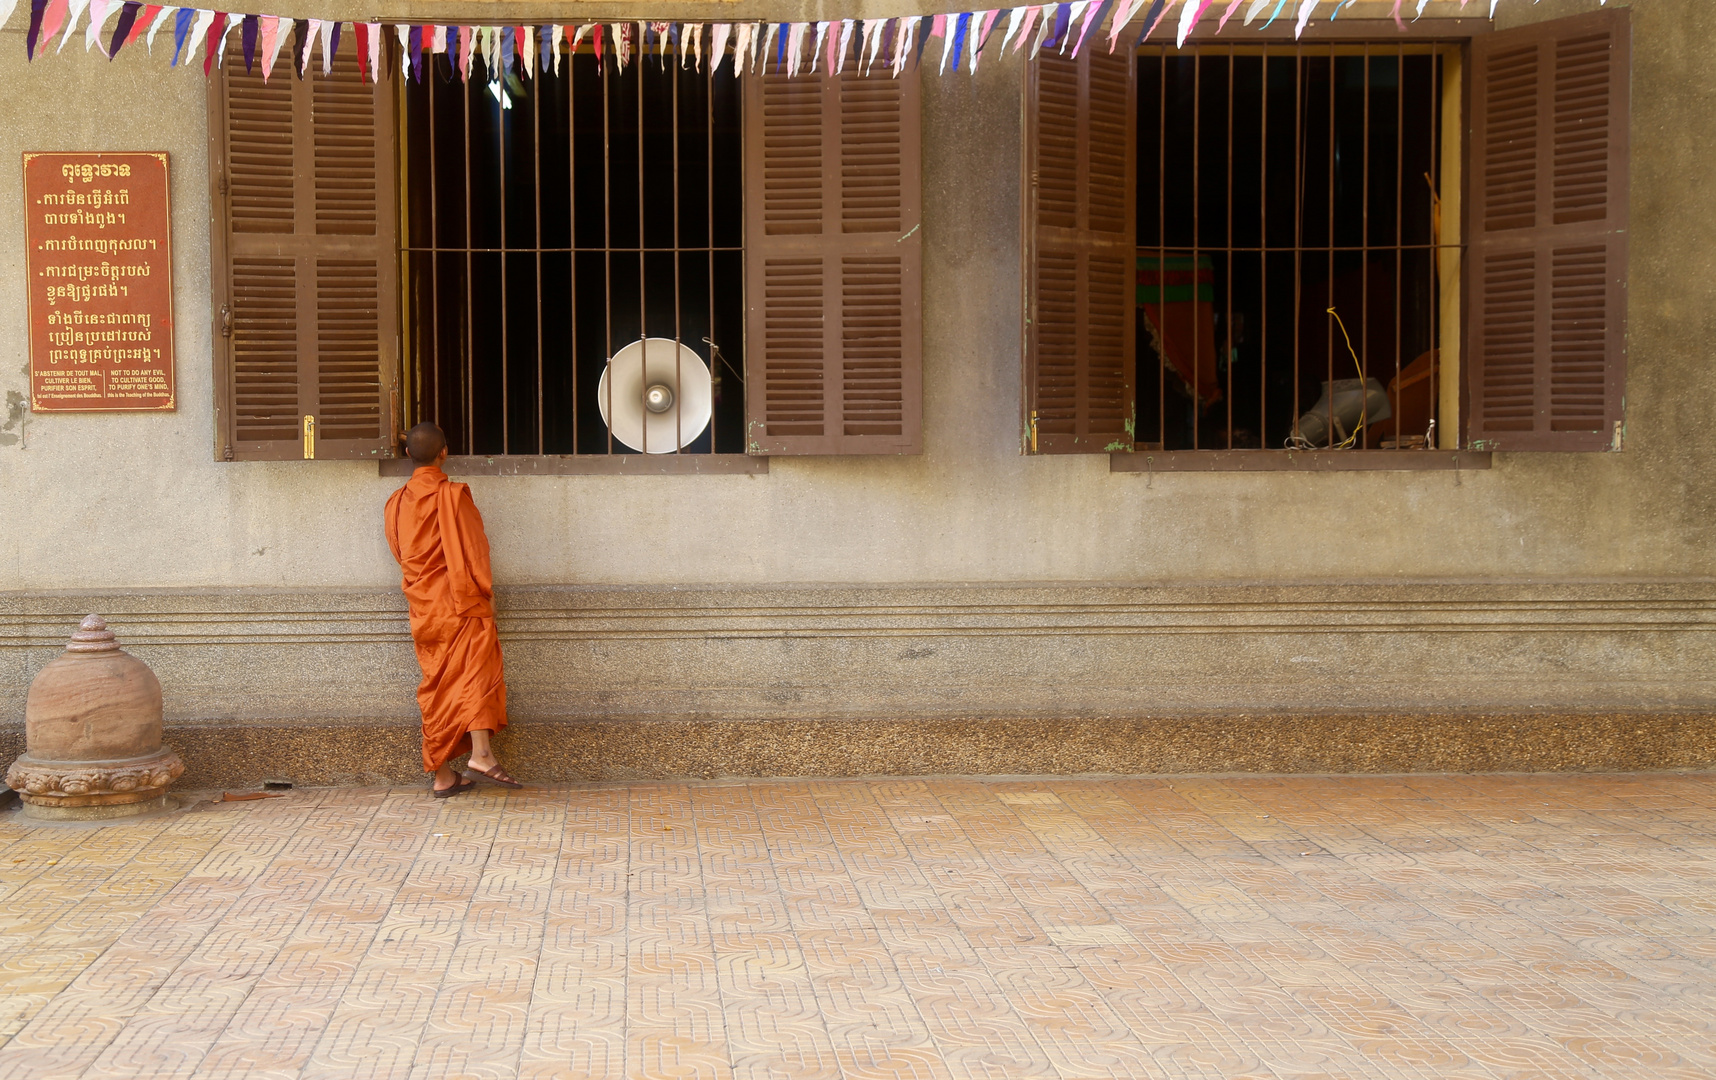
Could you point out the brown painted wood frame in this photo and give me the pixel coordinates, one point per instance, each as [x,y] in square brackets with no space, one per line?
[305,245]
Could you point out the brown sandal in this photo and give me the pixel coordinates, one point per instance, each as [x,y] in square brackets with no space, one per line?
[497,776]
[458,787]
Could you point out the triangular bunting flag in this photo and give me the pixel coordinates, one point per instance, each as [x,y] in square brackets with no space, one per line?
[125,29]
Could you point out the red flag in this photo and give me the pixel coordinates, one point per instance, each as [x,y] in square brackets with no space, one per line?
[212,43]
[52,21]
[141,26]
[363,50]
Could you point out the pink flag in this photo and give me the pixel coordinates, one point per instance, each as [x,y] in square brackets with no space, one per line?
[1121,18]
[76,12]
[989,18]
[270,44]
[718,45]
[1189,16]
[1025,30]
[97,16]
[309,45]
[1157,21]
[1092,12]
[52,20]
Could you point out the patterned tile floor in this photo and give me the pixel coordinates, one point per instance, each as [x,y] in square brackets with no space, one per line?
[1442,927]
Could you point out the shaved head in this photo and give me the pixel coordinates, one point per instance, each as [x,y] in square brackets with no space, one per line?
[425,443]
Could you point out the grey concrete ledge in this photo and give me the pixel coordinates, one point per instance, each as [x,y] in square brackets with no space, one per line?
[558,612]
[709,653]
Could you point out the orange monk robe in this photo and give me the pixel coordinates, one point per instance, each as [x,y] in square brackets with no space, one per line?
[437,536]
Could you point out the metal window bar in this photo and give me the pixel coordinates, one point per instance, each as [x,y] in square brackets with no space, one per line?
[1365,129]
[532,396]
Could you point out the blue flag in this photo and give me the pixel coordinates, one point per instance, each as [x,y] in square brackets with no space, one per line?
[181,27]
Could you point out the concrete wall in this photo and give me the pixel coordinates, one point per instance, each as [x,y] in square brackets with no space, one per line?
[120,503]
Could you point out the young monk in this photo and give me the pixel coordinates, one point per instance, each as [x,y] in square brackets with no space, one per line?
[437,537]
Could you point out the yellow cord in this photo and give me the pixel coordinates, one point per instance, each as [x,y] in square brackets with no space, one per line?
[1365,388]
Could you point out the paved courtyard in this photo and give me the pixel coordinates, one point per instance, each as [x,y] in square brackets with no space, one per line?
[1440,927]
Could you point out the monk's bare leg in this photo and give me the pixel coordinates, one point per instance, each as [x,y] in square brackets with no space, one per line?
[483,760]
[445,777]
[481,756]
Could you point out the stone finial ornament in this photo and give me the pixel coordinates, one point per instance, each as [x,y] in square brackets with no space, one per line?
[92,732]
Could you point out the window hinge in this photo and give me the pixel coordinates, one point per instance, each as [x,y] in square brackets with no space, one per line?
[226,455]
[225,321]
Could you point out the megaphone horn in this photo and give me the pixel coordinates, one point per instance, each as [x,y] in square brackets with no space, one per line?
[655,395]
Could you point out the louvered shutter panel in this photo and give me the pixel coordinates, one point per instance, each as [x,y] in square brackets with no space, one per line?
[1080,253]
[833,264]
[305,262]
[1547,283]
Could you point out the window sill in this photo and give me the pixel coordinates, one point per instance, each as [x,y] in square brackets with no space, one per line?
[592,465]
[1165,461]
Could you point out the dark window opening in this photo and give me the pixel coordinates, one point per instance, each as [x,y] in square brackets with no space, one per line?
[550,222]
[1274,184]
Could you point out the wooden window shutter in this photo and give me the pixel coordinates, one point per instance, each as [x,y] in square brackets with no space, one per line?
[1080,252]
[1547,281]
[833,264]
[305,262]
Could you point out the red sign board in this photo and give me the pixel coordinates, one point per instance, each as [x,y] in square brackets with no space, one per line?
[101,286]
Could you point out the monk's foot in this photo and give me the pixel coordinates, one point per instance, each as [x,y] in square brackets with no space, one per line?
[494,774]
[457,788]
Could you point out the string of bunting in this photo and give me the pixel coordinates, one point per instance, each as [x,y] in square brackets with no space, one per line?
[794,48]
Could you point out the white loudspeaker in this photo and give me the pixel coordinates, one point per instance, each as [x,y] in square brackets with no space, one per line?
[1351,404]
[655,395]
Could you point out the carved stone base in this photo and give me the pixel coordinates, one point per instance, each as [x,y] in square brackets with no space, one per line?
[129,786]
[154,804]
